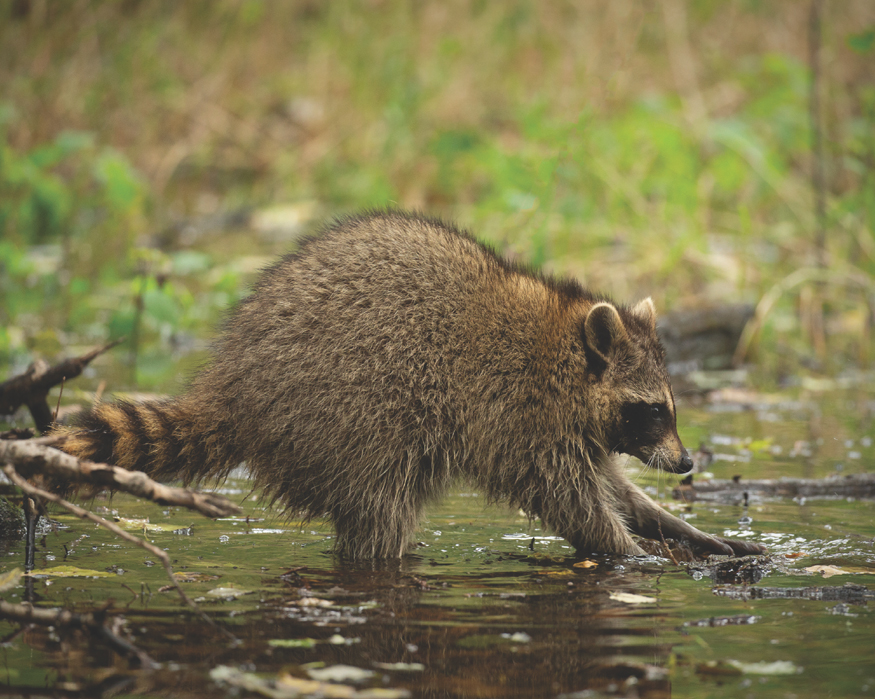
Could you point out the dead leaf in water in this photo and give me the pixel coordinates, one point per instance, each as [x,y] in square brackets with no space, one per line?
[228,592]
[286,686]
[778,667]
[10,579]
[829,571]
[186,577]
[292,643]
[340,673]
[826,571]
[311,602]
[629,598]
[401,667]
[73,572]
[585,564]
[559,573]
[295,687]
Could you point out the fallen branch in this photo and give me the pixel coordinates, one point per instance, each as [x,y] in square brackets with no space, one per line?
[161,555]
[857,485]
[30,459]
[32,387]
[92,622]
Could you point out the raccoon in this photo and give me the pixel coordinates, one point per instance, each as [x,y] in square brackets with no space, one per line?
[393,354]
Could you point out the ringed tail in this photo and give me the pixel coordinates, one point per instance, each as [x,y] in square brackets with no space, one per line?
[157,437]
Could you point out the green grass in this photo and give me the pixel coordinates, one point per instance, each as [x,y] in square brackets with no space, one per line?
[571,136]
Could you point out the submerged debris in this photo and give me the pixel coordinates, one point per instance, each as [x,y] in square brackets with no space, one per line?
[854,485]
[733,571]
[849,592]
[717,621]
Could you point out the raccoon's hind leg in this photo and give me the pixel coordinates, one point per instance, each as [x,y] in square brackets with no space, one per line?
[377,515]
[374,530]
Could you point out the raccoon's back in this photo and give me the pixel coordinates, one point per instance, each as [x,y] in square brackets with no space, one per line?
[368,298]
[347,351]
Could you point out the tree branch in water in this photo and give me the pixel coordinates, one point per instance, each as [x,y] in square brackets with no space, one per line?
[31,459]
[32,387]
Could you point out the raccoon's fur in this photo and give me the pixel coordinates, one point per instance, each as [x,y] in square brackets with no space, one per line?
[393,354]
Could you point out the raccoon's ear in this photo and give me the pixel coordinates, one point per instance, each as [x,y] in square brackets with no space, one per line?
[646,311]
[603,330]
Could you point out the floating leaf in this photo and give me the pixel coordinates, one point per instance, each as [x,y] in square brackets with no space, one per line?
[559,573]
[585,564]
[292,643]
[295,686]
[73,572]
[401,667]
[826,571]
[186,577]
[340,673]
[10,579]
[338,640]
[284,687]
[144,524]
[311,602]
[229,592]
[760,445]
[629,598]
[778,667]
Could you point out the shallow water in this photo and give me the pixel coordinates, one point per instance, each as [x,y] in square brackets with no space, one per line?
[488,606]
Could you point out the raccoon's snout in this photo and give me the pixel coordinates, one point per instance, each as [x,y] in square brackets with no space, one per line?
[681,465]
[684,465]
[671,459]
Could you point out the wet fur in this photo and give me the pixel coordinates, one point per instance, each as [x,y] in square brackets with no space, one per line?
[393,354]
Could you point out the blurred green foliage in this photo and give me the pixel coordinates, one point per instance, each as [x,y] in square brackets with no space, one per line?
[561,133]
[70,269]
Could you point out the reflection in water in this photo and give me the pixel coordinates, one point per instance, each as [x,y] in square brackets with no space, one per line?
[531,633]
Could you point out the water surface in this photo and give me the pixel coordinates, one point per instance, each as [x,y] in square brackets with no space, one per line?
[489,605]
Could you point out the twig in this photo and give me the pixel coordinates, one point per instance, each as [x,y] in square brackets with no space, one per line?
[32,387]
[662,538]
[92,621]
[34,491]
[31,458]
[9,638]
[58,404]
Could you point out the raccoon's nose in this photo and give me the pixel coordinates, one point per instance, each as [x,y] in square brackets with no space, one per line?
[686,464]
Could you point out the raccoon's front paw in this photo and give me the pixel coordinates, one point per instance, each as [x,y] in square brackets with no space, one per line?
[744,548]
[707,545]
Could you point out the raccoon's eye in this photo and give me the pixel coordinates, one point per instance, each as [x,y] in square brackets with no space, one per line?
[657,412]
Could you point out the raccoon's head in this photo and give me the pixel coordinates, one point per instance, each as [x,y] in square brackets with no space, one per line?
[624,353]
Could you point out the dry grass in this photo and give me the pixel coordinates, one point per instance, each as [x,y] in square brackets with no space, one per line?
[267,89]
